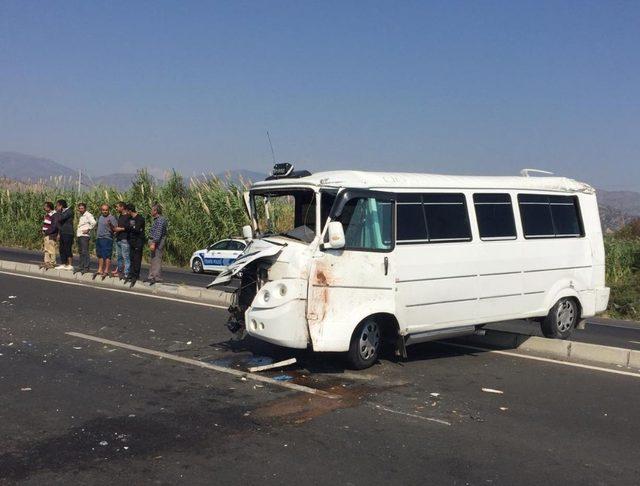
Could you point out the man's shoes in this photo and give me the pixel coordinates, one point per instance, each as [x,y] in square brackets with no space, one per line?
[60,267]
[68,267]
[151,281]
[133,282]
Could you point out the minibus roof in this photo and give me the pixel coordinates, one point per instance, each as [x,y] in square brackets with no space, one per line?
[410,181]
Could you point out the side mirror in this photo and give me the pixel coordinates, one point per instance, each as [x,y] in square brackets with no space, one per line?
[247,232]
[336,236]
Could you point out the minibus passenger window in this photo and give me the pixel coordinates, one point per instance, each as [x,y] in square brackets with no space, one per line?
[367,224]
[447,217]
[566,215]
[494,213]
[546,216]
[412,225]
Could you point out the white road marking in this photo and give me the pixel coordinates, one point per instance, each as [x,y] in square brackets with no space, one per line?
[202,364]
[545,360]
[413,415]
[128,292]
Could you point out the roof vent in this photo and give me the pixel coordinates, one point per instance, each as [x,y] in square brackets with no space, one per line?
[527,172]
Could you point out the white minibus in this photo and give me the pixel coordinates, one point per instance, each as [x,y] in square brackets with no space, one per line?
[345,261]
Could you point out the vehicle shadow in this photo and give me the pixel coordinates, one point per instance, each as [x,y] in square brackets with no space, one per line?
[249,351]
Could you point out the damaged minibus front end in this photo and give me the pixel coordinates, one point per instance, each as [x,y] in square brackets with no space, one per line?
[270,302]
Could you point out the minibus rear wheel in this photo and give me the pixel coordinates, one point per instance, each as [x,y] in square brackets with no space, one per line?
[365,344]
[561,320]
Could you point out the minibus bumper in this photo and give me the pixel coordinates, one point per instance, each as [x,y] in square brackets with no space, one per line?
[285,325]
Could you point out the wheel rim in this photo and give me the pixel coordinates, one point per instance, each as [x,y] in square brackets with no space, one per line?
[566,315]
[369,340]
[197,266]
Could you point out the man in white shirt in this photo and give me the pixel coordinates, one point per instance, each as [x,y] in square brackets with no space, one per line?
[85,224]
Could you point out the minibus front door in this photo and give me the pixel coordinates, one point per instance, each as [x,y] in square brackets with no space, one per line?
[350,283]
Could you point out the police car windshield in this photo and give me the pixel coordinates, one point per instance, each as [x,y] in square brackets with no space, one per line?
[286,212]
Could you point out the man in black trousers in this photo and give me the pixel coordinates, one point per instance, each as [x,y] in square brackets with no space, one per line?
[136,239]
[65,234]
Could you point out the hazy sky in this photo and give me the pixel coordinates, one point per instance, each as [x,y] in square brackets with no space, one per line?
[463,87]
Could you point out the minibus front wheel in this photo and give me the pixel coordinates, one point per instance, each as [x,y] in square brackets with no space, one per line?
[365,344]
[561,320]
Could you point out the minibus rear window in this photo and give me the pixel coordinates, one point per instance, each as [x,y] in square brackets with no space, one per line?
[545,216]
[494,213]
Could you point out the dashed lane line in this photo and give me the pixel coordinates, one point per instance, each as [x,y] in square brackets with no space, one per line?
[202,364]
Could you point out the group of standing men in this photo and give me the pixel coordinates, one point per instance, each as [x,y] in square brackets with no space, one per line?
[128,232]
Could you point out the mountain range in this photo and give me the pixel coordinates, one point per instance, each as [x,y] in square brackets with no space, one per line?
[617,208]
[28,168]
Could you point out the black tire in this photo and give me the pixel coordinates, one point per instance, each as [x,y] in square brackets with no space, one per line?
[365,345]
[197,266]
[561,320]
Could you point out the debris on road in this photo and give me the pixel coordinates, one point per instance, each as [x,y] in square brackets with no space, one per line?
[178,346]
[25,389]
[13,296]
[434,394]
[492,390]
[283,378]
[103,443]
[279,364]
[504,409]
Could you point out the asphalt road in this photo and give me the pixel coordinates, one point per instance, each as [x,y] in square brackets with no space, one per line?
[73,411]
[170,274]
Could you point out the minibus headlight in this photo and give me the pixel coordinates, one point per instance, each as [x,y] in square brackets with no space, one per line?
[266,296]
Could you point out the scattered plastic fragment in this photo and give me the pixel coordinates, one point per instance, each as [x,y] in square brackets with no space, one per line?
[492,390]
[279,364]
[126,448]
[283,378]
[188,343]
[25,389]
[103,443]
[13,296]
[77,347]
[504,409]
[434,394]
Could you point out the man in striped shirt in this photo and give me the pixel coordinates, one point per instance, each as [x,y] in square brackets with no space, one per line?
[157,238]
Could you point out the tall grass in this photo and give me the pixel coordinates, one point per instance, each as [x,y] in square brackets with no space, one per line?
[623,274]
[200,212]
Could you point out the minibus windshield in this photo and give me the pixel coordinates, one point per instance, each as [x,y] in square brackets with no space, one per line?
[289,212]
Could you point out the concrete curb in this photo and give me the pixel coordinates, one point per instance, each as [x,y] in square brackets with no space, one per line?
[184,292]
[557,348]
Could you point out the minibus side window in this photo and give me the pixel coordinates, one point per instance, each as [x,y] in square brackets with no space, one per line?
[566,216]
[412,225]
[447,217]
[545,216]
[494,213]
[367,224]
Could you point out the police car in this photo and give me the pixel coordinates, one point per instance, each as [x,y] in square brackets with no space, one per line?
[218,256]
